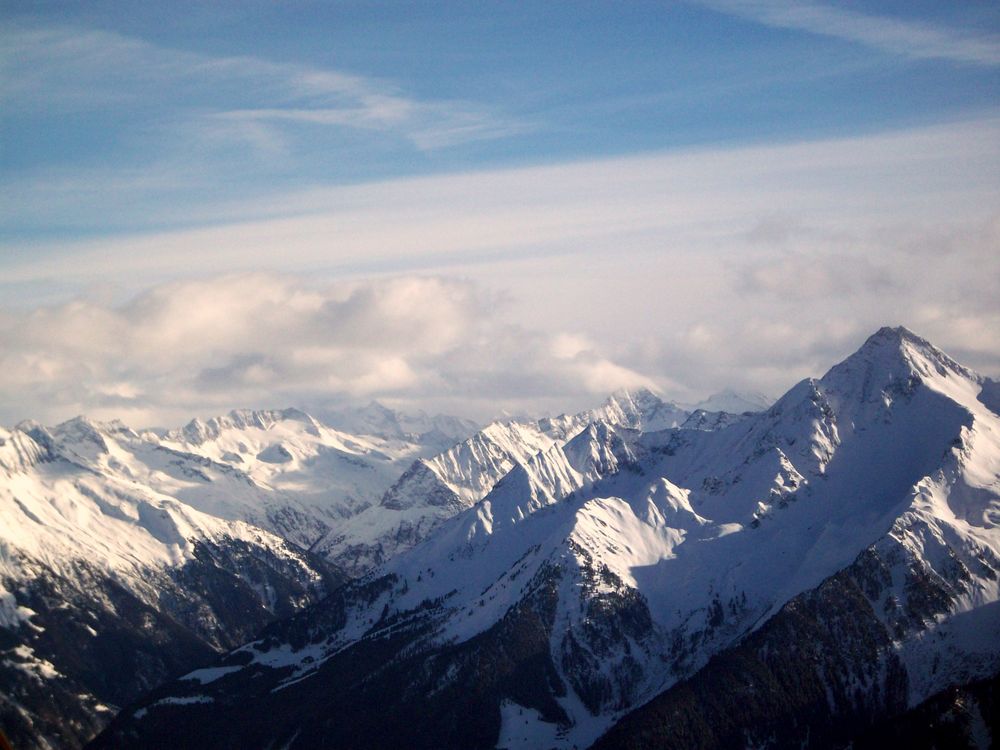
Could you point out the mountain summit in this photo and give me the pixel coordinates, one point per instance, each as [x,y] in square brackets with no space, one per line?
[837,553]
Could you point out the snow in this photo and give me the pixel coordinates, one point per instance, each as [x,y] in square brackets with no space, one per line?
[131,503]
[186,700]
[23,658]
[734,402]
[210,674]
[379,420]
[717,521]
[11,613]
[58,513]
[436,488]
[96,493]
[183,701]
[524,729]
[296,461]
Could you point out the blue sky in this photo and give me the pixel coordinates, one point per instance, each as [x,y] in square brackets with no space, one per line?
[514,147]
[208,101]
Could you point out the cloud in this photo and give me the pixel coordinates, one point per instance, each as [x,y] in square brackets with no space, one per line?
[202,347]
[803,276]
[788,312]
[428,126]
[692,200]
[60,70]
[894,35]
[747,267]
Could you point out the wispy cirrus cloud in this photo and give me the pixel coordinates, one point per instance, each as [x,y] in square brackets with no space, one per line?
[829,190]
[895,35]
[749,267]
[428,125]
[71,70]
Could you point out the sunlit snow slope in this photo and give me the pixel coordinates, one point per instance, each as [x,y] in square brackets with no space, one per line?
[109,585]
[435,488]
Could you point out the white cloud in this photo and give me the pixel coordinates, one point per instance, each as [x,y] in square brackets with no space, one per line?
[249,98]
[895,35]
[749,267]
[201,347]
[692,200]
[804,276]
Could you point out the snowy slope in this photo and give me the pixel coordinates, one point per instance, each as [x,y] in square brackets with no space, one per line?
[434,489]
[280,470]
[311,474]
[59,506]
[169,528]
[601,571]
[102,575]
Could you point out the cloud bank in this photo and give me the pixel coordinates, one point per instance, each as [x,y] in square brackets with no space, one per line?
[203,347]
[749,267]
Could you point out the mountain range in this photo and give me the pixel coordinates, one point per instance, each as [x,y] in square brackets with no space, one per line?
[637,575]
[128,557]
[820,573]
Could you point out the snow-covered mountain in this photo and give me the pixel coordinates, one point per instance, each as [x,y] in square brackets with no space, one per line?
[109,585]
[734,402]
[89,507]
[167,545]
[827,562]
[306,475]
[440,430]
[435,488]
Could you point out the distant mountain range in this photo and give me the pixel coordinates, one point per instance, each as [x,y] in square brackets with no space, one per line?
[728,573]
[127,557]
[819,573]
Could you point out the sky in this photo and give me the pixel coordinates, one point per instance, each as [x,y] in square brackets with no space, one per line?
[484,208]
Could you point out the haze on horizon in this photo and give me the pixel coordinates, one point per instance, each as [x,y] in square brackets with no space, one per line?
[470,209]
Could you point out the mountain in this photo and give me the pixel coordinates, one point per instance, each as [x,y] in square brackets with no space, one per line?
[381,421]
[734,402]
[436,488]
[822,565]
[183,490]
[961,716]
[185,576]
[305,475]
[109,586]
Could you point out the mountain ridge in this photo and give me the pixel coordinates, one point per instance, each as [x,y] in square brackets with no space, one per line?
[589,604]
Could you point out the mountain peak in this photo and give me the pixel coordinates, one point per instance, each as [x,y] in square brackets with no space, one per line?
[639,396]
[83,427]
[639,408]
[896,336]
[892,356]
[902,344]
